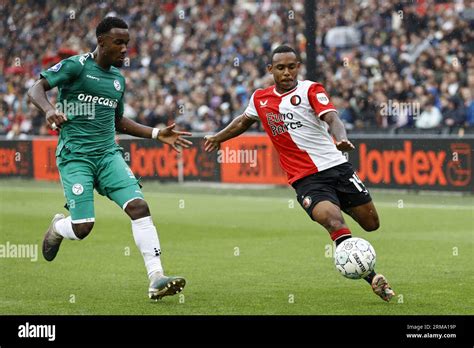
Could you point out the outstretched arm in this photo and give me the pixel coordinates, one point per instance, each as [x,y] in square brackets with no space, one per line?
[338,131]
[166,135]
[127,126]
[239,125]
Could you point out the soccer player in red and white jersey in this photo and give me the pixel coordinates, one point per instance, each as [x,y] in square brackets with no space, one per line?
[299,118]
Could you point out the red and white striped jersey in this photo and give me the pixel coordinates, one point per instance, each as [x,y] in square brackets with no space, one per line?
[292,121]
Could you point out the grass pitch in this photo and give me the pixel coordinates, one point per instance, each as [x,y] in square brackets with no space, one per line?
[243,252]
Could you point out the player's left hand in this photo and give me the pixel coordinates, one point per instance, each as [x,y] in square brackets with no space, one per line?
[171,137]
[344,145]
[211,143]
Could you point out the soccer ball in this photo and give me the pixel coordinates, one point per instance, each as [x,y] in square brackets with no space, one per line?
[355,258]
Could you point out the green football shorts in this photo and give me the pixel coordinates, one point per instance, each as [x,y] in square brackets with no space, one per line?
[108,173]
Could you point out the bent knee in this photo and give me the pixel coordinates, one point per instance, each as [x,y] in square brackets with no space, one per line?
[82,230]
[371,225]
[137,209]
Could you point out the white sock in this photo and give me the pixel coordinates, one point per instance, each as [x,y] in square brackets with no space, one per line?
[64,228]
[146,239]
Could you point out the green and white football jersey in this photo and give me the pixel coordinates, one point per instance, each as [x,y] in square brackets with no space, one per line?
[90,97]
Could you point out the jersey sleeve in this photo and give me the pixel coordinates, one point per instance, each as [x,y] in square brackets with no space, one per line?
[251,111]
[319,100]
[63,72]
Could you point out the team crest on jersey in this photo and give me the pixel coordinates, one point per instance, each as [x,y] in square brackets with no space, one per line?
[322,98]
[307,202]
[117,85]
[77,189]
[56,67]
[295,100]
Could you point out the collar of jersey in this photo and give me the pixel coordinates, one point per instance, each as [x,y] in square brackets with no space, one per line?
[286,93]
[93,59]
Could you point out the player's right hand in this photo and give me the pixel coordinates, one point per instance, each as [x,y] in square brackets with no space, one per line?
[345,145]
[211,143]
[55,119]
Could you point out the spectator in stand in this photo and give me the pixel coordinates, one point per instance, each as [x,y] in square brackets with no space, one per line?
[189,54]
[454,114]
[431,116]
[467,96]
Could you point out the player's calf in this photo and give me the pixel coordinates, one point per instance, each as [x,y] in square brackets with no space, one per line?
[366,216]
[328,215]
[82,230]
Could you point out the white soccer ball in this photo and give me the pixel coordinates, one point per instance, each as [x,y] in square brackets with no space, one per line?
[355,258]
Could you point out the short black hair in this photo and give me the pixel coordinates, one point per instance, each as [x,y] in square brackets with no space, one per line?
[283,49]
[108,23]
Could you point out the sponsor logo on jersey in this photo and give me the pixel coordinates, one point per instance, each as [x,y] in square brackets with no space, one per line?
[117,85]
[263,103]
[77,189]
[83,58]
[295,100]
[55,68]
[87,98]
[282,122]
[92,77]
[322,98]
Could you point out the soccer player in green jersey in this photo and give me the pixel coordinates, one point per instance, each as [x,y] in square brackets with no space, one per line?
[88,112]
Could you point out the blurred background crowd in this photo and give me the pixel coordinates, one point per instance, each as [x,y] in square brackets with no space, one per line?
[388,66]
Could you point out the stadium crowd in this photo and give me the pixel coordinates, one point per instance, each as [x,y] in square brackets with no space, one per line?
[386,65]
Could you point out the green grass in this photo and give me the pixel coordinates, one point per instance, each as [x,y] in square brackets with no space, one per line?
[281,255]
